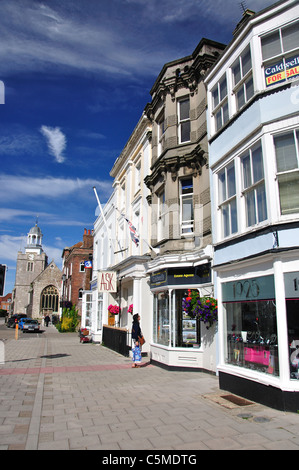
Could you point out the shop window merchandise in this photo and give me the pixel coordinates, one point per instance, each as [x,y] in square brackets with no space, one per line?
[251,329]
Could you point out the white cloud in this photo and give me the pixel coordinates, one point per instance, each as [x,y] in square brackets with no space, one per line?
[56,142]
[53,253]
[10,245]
[120,38]
[7,215]
[28,188]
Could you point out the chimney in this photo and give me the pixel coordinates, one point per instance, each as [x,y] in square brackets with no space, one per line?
[87,239]
[244,20]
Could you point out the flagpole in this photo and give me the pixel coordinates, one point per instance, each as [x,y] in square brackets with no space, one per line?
[155,250]
[104,219]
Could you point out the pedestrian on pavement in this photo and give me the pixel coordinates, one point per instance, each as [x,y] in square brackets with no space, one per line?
[47,319]
[136,335]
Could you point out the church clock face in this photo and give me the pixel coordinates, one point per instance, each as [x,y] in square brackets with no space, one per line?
[31,256]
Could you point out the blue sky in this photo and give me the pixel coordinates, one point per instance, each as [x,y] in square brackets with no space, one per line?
[77,76]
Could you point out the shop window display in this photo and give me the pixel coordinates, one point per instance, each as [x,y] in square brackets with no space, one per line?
[188,327]
[251,329]
[291,282]
[161,318]
[293,332]
[185,328]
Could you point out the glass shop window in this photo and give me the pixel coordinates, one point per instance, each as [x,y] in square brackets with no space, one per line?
[291,282]
[161,318]
[88,310]
[251,329]
[187,328]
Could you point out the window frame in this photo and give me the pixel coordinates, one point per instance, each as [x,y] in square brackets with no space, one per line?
[278,61]
[227,202]
[82,265]
[186,225]
[253,186]
[137,179]
[183,120]
[220,109]
[161,132]
[245,77]
[289,172]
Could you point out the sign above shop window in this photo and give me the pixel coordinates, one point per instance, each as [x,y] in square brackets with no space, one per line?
[182,276]
[291,284]
[107,281]
[257,288]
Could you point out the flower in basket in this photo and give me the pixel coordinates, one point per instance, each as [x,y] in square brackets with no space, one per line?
[203,308]
[189,302]
[113,309]
[206,310]
[130,309]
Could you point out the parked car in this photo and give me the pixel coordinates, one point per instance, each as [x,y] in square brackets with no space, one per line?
[21,322]
[30,325]
[14,319]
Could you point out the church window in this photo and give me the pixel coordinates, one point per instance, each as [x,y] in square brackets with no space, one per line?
[50,299]
[82,267]
[30,266]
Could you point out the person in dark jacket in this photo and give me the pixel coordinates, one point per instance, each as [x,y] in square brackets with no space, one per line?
[136,333]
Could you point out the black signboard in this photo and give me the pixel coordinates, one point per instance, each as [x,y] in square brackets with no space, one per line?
[182,276]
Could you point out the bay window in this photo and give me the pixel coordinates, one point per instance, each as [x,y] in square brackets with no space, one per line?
[161,318]
[161,211]
[227,200]
[161,133]
[220,103]
[184,120]
[242,78]
[287,161]
[186,206]
[280,54]
[254,186]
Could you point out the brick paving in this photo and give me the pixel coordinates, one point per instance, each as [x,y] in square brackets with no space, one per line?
[59,394]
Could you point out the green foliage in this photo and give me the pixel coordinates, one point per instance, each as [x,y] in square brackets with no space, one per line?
[69,320]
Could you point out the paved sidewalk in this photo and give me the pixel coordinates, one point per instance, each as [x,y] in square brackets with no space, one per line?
[56,393]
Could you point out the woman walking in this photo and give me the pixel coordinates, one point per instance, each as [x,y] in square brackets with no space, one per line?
[136,335]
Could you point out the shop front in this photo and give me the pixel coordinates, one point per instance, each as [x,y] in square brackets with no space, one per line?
[180,339]
[259,332]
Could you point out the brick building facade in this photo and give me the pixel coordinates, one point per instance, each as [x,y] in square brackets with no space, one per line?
[5,302]
[76,271]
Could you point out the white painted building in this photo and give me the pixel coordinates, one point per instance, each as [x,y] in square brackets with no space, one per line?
[114,249]
[253,132]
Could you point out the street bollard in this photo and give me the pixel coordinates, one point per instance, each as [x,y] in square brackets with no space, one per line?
[17,331]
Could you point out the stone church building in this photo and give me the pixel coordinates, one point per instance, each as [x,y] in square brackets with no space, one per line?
[38,283]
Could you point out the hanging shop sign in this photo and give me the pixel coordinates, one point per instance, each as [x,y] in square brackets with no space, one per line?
[257,288]
[107,281]
[181,276]
[291,284]
[282,71]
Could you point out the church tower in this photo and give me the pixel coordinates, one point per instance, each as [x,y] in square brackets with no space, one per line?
[29,265]
[34,240]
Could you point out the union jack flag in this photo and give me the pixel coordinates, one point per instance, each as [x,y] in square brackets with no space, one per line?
[133,233]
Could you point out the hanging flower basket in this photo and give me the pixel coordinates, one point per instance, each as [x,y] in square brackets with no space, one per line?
[113,309]
[203,308]
[206,310]
[130,309]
